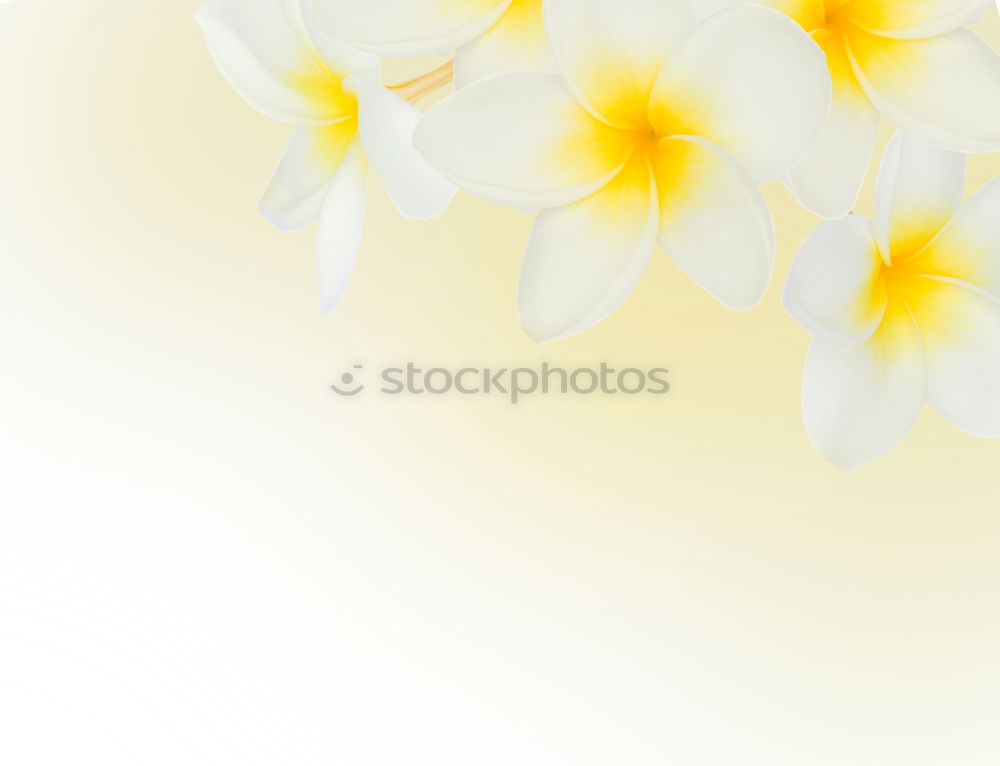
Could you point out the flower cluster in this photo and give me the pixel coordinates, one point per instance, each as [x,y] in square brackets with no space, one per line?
[636,124]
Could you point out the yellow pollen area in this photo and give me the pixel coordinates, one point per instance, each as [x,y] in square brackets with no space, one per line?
[644,142]
[647,123]
[323,89]
[833,24]
[837,16]
[522,21]
[904,283]
[914,294]
[645,139]
[643,123]
[675,165]
[332,142]
[831,35]
[587,147]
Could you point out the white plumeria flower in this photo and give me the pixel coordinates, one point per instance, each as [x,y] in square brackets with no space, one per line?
[909,60]
[345,119]
[491,36]
[903,311]
[656,131]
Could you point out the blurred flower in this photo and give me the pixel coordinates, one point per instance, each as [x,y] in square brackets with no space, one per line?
[902,311]
[491,36]
[911,61]
[344,120]
[655,131]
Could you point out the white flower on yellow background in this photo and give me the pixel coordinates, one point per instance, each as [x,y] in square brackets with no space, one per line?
[903,311]
[489,36]
[909,60]
[345,120]
[655,131]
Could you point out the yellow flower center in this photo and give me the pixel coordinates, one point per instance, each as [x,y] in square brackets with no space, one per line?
[837,15]
[646,139]
[906,286]
[832,24]
[524,18]
[323,88]
[915,285]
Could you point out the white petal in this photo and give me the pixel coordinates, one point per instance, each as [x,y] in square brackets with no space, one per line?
[705,8]
[919,188]
[341,224]
[522,140]
[833,289]
[750,80]
[295,195]
[916,19]
[830,177]
[585,259]
[343,58]
[611,51]
[386,124]
[963,361]
[945,90]
[859,404]
[967,250]
[262,47]
[808,13]
[714,222]
[407,27]
[516,43]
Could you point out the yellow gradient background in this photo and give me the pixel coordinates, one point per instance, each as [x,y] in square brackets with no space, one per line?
[207,557]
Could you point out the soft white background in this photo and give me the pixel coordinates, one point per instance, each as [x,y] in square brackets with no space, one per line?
[205,558]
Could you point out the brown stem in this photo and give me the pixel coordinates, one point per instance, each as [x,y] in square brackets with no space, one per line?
[424,85]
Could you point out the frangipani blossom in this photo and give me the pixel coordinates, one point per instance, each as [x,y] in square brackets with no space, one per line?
[903,311]
[655,131]
[344,120]
[489,36]
[909,60]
